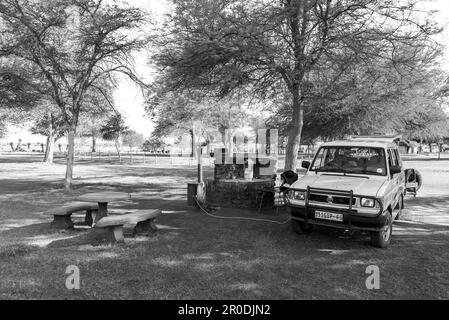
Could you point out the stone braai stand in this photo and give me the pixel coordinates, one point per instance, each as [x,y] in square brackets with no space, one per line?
[232,187]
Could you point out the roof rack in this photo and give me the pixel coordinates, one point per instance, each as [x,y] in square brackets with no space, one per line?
[381,138]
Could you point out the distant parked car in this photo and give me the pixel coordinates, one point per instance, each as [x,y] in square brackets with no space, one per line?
[425,148]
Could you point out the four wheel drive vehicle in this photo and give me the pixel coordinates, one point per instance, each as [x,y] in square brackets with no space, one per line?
[357,184]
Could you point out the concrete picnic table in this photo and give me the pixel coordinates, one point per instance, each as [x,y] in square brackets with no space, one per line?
[103,198]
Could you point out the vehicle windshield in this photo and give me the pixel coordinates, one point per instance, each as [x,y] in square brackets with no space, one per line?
[358,160]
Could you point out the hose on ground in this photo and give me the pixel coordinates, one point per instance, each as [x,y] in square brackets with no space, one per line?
[239,218]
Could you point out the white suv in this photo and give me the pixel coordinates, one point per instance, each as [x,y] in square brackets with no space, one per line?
[356,184]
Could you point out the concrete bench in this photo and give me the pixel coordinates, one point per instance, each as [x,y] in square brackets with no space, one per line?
[62,215]
[142,219]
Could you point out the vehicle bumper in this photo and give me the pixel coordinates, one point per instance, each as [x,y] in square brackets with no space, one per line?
[351,220]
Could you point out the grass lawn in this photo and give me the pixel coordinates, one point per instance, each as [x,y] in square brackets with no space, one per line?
[194,256]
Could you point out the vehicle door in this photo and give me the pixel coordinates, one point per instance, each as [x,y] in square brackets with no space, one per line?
[401,176]
[395,186]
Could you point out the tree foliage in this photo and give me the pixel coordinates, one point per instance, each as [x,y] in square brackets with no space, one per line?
[14,90]
[282,48]
[369,99]
[70,47]
[182,112]
[114,128]
[133,139]
[154,144]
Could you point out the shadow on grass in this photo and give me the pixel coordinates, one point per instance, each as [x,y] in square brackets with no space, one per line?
[427,202]
[431,210]
[194,256]
[17,186]
[23,158]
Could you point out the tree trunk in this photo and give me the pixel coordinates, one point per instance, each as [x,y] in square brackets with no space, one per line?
[420,145]
[70,159]
[19,145]
[230,142]
[192,143]
[117,147]
[222,131]
[94,143]
[49,150]
[294,136]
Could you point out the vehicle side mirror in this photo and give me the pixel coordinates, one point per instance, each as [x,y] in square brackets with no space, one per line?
[395,169]
[305,165]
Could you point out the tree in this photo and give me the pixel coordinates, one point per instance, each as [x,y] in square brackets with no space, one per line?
[90,127]
[154,144]
[182,111]
[99,108]
[15,95]
[113,130]
[270,48]
[365,99]
[133,139]
[2,127]
[429,124]
[73,46]
[14,90]
[49,123]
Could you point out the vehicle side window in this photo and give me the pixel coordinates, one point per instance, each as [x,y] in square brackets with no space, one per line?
[398,158]
[395,157]
[392,159]
[319,159]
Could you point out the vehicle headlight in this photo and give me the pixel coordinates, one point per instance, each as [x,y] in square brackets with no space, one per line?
[297,195]
[367,202]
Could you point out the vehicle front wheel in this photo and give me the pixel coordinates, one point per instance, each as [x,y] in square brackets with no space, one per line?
[381,239]
[301,227]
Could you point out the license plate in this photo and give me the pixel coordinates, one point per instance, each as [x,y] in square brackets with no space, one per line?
[329,216]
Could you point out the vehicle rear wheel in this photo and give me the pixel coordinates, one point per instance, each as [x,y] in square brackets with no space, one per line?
[301,227]
[381,239]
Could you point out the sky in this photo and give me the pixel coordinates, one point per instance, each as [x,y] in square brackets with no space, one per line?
[129,99]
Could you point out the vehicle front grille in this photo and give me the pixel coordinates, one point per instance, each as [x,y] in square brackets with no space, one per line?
[335,199]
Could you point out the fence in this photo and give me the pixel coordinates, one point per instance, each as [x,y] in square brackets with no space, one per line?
[142,158]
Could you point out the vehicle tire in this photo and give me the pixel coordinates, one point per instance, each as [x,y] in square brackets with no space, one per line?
[301,227]
[401,206]
[381,239]
[410,176]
